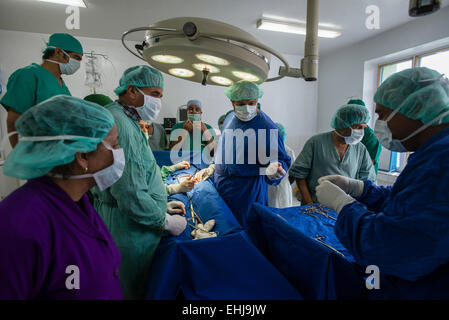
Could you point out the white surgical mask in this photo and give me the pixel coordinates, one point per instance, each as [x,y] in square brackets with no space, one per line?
[151,107]
[109,175]
[385,136]
[246,113]
[355,137]
[67,68]
[194,117]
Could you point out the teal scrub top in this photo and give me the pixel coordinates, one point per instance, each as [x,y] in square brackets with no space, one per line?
[179,125]
[320,158]
[29,86]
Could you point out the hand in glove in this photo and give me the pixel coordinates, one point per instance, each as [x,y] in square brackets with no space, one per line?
[275,171]
[206,173]
[176,207]
[350,186]
[331,196]
[183,187]
[175,224]
[183,165]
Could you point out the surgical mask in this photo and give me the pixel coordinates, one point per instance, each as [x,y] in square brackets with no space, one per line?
[194,117]
[109,175]
[151,107]
[385,136]
[246,113]
[67,68]
[355,137]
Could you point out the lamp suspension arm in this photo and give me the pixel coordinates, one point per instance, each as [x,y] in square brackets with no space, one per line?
[309,64]
[125,34]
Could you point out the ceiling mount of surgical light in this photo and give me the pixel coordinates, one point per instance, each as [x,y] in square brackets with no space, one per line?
[420,8]
[215,53]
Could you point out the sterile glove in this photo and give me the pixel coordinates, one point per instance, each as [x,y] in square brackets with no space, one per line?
[206,173]
[183,187]
[175,224]
[331,196]
[176,207]
[275,171]
[183,165]
[352,187]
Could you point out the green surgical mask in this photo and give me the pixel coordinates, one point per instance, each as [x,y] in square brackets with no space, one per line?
[194,117]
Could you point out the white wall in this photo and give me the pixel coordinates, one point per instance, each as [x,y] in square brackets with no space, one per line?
[289,101]
[342,72]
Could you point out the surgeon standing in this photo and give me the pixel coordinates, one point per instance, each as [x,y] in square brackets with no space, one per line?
[53,244]
[369,139]
[35,83]
[135,208]
[242,172]
[193,134]
[403,229]
[335,152]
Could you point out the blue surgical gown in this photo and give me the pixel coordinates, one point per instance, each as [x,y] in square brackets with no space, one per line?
[240,183]
[404,228]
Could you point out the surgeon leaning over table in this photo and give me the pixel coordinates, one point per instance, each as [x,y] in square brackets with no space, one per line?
[403,229]
[135,208]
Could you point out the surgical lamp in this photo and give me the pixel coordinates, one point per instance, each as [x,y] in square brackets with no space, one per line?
[212,52]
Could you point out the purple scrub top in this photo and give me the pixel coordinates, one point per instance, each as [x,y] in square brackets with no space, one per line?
[54,248]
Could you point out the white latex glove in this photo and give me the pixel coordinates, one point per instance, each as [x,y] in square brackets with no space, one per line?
[275,171]
[175,224]
[183,165]
[176,207]
[183,187]
[352,187]
[206,173]
[331,196]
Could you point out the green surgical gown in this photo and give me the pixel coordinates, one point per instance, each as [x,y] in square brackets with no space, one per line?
[319,158]
[134,207]
[29,86]
[373,146]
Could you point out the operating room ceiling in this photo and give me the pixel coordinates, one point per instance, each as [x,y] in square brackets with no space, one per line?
[110,18]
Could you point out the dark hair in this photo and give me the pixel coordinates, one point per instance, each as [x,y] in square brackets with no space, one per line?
[50,52]
[66,170]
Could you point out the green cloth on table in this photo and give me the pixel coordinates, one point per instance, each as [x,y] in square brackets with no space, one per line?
[134,207]
[29,86]
[319,158]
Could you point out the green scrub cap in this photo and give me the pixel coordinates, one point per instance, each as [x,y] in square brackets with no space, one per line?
[61,115]
[64,41]
[357,101]
[282,130]
[244,90]
[349,115]
[140,76]
[100,99]
[420,93]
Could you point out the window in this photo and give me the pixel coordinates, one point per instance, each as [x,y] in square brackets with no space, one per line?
[437,60]
[392,161]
